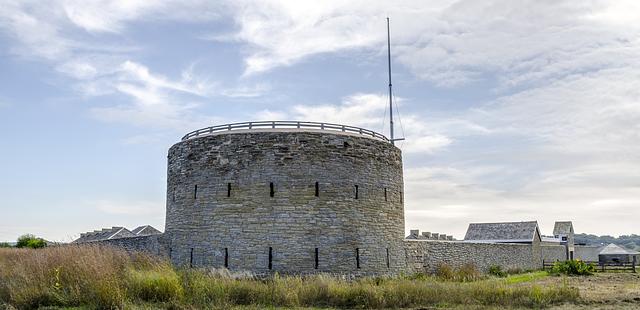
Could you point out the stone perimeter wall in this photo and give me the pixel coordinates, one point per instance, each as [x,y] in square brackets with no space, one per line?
[553,252]
[425,255]
[152,244]
[420,255]
[231,218]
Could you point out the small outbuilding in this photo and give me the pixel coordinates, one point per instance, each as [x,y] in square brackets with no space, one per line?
[115,232]
[146,230]
[506,232]
[613,253]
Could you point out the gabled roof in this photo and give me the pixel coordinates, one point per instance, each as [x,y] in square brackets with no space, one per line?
[614,249]
[563,228]
[104,234]
[145,230]
[503,232]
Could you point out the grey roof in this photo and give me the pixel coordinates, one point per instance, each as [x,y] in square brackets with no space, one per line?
[503,232]
[614,249]
[104,234]
[563,228]
[145,230]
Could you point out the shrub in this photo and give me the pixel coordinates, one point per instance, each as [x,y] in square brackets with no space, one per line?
[30,241]
[497,271]
[445,272]
[464,273]
[157,285]
[5,245]
[573,267]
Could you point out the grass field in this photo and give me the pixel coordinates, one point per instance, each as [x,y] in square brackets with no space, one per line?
[105,278]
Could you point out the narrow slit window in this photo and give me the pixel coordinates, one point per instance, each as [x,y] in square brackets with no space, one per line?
[316,259]
[358,258]
[228,189]
[170,253]
[191,259]
[400,197]
[388,261]
[317,189]
[270,258]
[195,192]
[173,195]
[356,188]
[271,190]
[385,194]
[226,257]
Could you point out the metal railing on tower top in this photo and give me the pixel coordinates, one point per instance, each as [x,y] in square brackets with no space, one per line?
[284,125]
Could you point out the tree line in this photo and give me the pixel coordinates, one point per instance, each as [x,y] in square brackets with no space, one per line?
[631,242]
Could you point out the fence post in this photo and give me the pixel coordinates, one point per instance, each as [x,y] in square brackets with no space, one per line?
[633,264]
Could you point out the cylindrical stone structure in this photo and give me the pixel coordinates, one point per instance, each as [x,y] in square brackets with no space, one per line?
[291,201]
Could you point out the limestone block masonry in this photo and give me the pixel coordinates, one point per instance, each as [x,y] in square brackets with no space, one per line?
[287,201]
[151,244]
[553,253]
[427,255]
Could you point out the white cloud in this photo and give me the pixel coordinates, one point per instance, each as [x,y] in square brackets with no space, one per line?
[561,135]
[571,152]
[281,33]
[368,111]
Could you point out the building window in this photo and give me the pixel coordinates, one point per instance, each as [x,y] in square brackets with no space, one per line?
[358,258]
[316,259]
[228,189]
[271,190]
[226,257]
[195,192]
[317,189]
[388,261]
[191,259]
[400,197]
[356,188]
[270,258]
[385,194]
[173,195]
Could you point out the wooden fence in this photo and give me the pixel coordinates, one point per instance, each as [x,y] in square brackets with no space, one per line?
[600,266]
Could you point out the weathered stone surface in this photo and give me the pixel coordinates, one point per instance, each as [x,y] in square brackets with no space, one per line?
[152,244]
[587,253]
[352,216]
[554,252]
[426,255]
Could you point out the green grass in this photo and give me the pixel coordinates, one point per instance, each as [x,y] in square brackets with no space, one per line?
[525,277]
[92,277]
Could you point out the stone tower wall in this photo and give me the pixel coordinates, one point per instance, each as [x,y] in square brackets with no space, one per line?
[231,217]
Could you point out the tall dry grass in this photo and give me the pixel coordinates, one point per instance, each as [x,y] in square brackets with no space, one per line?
[107,278]
[69,276]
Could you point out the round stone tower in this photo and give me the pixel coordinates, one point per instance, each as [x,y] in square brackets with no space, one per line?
[287,197]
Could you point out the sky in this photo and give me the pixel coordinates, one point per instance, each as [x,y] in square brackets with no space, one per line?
[511,110]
